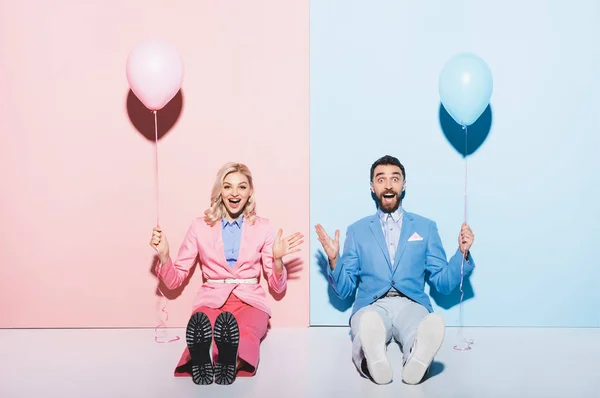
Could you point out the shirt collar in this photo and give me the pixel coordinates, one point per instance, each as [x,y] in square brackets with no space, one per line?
[396,216]
[225,223]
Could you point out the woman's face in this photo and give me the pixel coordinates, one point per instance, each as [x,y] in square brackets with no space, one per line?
[235,193]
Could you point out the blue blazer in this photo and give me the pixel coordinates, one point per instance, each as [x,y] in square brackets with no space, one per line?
[366,262]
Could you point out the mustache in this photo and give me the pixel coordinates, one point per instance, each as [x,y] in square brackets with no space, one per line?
[388,191]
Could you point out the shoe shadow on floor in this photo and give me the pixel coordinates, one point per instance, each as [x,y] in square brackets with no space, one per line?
[435,369]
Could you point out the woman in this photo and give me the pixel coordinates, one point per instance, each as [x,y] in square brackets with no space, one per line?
[232,243]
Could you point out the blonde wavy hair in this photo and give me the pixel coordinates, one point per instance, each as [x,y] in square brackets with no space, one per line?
[217,210]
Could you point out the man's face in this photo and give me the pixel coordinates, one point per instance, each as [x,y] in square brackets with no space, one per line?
[388,185]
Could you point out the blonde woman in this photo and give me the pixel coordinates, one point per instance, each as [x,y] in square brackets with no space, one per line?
[233,244]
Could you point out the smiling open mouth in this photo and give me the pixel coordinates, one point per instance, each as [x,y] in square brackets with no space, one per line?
[235,201]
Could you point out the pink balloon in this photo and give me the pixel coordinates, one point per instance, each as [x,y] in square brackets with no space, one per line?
[154,73]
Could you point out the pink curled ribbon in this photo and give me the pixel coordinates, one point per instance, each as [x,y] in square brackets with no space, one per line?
[160,332]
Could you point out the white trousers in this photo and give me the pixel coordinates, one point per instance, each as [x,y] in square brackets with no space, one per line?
[401,317]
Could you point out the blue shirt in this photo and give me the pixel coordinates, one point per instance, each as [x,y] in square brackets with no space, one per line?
[232,235]
[391,223]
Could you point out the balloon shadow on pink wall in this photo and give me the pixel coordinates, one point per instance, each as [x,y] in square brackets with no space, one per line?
[143,119]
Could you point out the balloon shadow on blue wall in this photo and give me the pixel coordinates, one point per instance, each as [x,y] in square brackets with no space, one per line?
[465,145]
[337,303]
[476,133]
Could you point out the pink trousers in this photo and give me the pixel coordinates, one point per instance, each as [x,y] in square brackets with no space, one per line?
[252,323]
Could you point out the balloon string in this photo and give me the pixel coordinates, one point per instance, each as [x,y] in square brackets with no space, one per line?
[156,169]
[160,336]
[468,342]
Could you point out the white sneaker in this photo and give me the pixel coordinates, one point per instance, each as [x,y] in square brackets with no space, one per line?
[372,335]
[430,337]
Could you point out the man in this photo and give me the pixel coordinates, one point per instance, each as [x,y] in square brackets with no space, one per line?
[386,258]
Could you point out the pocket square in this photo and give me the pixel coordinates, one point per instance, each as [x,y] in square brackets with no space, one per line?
[415,237]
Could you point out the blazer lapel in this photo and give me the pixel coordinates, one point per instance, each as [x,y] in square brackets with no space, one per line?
[407,230]
[376,229]
[217,237]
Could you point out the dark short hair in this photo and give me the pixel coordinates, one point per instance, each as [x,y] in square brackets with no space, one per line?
[387,160]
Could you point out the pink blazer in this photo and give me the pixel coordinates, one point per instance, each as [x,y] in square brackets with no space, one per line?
[256,249]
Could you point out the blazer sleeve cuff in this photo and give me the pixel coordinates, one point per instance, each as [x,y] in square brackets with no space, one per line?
[469,262]
[334,275]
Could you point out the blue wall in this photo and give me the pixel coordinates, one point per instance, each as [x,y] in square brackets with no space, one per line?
[534,171]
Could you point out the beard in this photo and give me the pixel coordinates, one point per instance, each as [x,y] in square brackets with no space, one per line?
[389,207]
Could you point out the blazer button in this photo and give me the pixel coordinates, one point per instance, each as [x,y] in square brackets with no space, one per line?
[375,297]
[393,282]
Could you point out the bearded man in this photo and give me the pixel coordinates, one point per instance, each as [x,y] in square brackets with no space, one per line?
[387,259]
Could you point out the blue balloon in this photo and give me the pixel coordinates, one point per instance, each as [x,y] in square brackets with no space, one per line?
[465,87]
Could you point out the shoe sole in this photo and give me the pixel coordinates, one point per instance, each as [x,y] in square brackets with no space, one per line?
[372,335]
[430,336]
[227,339]
[198,338]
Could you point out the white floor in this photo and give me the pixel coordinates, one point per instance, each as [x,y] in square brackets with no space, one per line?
[311,362]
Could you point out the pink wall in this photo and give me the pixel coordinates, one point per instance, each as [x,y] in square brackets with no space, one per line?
[77,184]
